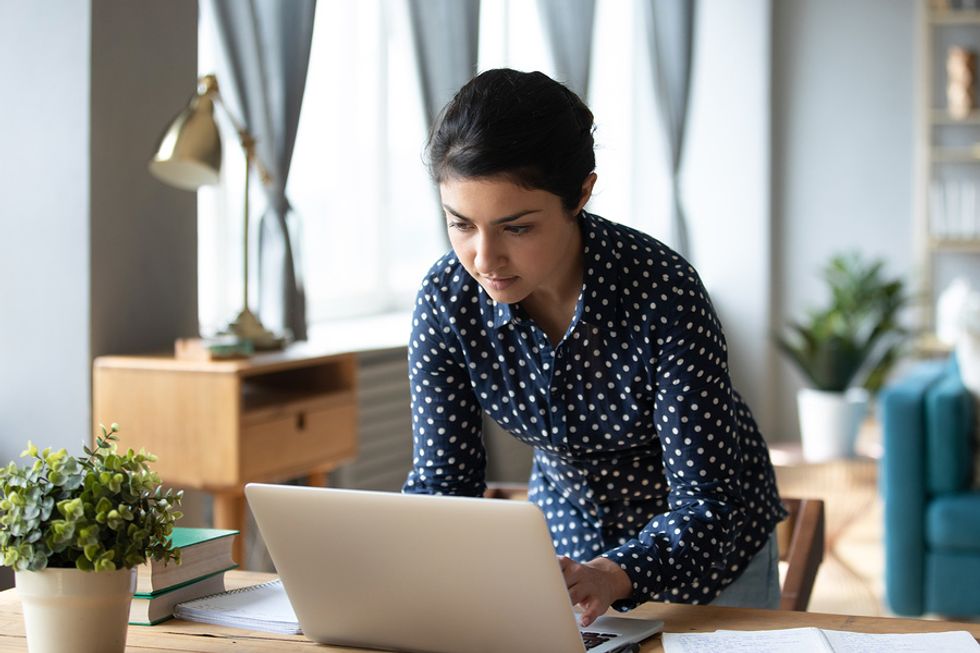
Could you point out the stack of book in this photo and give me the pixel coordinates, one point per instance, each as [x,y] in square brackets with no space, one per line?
[205,556]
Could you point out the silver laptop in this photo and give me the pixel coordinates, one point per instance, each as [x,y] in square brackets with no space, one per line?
[425,573]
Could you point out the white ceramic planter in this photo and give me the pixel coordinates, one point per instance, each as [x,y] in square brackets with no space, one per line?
[74,610]
[829,422]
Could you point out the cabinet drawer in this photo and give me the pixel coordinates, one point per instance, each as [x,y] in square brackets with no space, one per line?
[298,440]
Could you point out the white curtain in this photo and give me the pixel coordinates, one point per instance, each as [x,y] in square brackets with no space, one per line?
[634,180]
[358,177]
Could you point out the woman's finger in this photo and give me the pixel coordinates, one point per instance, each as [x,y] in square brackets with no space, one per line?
[590,611]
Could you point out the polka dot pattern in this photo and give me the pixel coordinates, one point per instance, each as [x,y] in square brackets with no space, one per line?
[643,451]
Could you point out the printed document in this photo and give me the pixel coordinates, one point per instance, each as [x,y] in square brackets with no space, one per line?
[817,640]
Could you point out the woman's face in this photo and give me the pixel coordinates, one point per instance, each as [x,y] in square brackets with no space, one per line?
[514,241]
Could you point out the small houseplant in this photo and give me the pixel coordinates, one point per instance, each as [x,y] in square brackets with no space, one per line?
[845,350]
[74,529]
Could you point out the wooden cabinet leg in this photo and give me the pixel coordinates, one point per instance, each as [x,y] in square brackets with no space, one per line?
[229,512]
[318,478]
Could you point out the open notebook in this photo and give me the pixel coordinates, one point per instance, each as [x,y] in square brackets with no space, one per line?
[421,573]
[257,607]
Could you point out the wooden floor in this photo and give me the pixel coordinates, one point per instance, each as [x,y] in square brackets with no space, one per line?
[850,580]
[851,577]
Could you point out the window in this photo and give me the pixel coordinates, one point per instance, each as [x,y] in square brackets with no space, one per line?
[370,224]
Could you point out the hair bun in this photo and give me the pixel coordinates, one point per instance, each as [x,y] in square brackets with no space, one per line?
[522,125]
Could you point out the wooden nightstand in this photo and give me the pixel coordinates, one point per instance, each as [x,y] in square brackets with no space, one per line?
[217,425]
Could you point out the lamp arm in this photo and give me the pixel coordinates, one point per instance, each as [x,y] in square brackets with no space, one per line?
[209,84]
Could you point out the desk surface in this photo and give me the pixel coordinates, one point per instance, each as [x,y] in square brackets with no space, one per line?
[186,636]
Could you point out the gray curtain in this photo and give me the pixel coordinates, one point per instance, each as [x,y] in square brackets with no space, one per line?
[266,44]
[568,26]
[446,38]
[445,34]
[670,30]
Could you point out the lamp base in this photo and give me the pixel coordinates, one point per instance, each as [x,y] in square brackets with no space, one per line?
[247,327]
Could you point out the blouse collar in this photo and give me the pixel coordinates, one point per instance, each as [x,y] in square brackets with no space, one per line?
[598,298]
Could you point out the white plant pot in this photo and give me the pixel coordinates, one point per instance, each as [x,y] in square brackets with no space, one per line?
[829,422]
[74,610]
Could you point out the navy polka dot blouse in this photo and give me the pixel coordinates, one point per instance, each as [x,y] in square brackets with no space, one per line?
[643,451]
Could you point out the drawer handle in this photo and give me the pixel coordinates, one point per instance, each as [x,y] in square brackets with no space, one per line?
[300,421]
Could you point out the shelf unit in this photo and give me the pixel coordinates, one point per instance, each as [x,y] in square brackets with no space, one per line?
[948,165]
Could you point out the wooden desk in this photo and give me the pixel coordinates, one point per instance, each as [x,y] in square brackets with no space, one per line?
[216,425]
[186,636]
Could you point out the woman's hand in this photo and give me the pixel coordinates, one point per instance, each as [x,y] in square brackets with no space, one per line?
[594,586]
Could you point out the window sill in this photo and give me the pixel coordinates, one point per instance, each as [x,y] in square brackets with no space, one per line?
[363,334]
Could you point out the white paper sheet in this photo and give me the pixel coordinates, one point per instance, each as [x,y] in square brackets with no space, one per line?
[793,640]
[816,640]
[957,641]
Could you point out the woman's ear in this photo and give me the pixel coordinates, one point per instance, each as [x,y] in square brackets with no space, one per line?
[587,187]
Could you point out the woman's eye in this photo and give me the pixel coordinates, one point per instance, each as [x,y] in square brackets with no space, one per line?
[518,229]
[462,226]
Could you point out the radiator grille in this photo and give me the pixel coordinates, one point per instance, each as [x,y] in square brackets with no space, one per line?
[384,424]
[385,431]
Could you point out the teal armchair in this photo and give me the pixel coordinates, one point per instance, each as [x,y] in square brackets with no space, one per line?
[932,516]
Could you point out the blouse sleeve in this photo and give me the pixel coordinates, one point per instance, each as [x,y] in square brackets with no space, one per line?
[678,554]
[448,451]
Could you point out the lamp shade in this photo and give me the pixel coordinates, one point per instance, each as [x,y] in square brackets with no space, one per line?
[189,154]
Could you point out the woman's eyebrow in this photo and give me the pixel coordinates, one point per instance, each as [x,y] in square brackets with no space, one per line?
[507,218]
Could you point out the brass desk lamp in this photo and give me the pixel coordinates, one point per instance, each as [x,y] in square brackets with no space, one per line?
[188,157]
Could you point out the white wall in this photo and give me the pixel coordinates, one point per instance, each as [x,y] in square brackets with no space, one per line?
[800,145]
[95,255]
[727,184]
[44,253]
[843,139]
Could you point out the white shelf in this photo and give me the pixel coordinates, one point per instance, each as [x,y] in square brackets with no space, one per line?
[955,17]
[955,155]
[942,117]
[963,245]
[948,157]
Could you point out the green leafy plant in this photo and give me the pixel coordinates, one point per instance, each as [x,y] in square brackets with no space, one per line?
[857,334]
[101,512]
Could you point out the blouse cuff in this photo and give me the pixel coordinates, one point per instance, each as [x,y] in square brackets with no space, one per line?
[640,571]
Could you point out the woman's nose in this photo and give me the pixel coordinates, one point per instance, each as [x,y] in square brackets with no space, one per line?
[488,254]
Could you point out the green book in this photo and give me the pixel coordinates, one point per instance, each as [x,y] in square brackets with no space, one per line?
[203,551]
[151,609]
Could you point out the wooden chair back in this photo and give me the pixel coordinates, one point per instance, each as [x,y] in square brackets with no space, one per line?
[801,547]
[800,537]
[506,491]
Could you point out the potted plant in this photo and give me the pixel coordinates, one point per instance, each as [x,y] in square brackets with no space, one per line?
[74,529]
[845,351]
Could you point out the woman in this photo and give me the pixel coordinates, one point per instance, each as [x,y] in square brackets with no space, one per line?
[593,343]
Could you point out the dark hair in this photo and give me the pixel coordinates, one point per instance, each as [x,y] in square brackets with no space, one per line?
[523,126]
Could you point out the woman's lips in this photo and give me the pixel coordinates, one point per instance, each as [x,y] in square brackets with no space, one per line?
[499,283]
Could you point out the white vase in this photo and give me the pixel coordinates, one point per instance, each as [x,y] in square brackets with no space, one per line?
[74,610]
[829,422]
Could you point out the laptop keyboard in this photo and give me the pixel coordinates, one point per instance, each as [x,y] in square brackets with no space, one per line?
[591,639]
